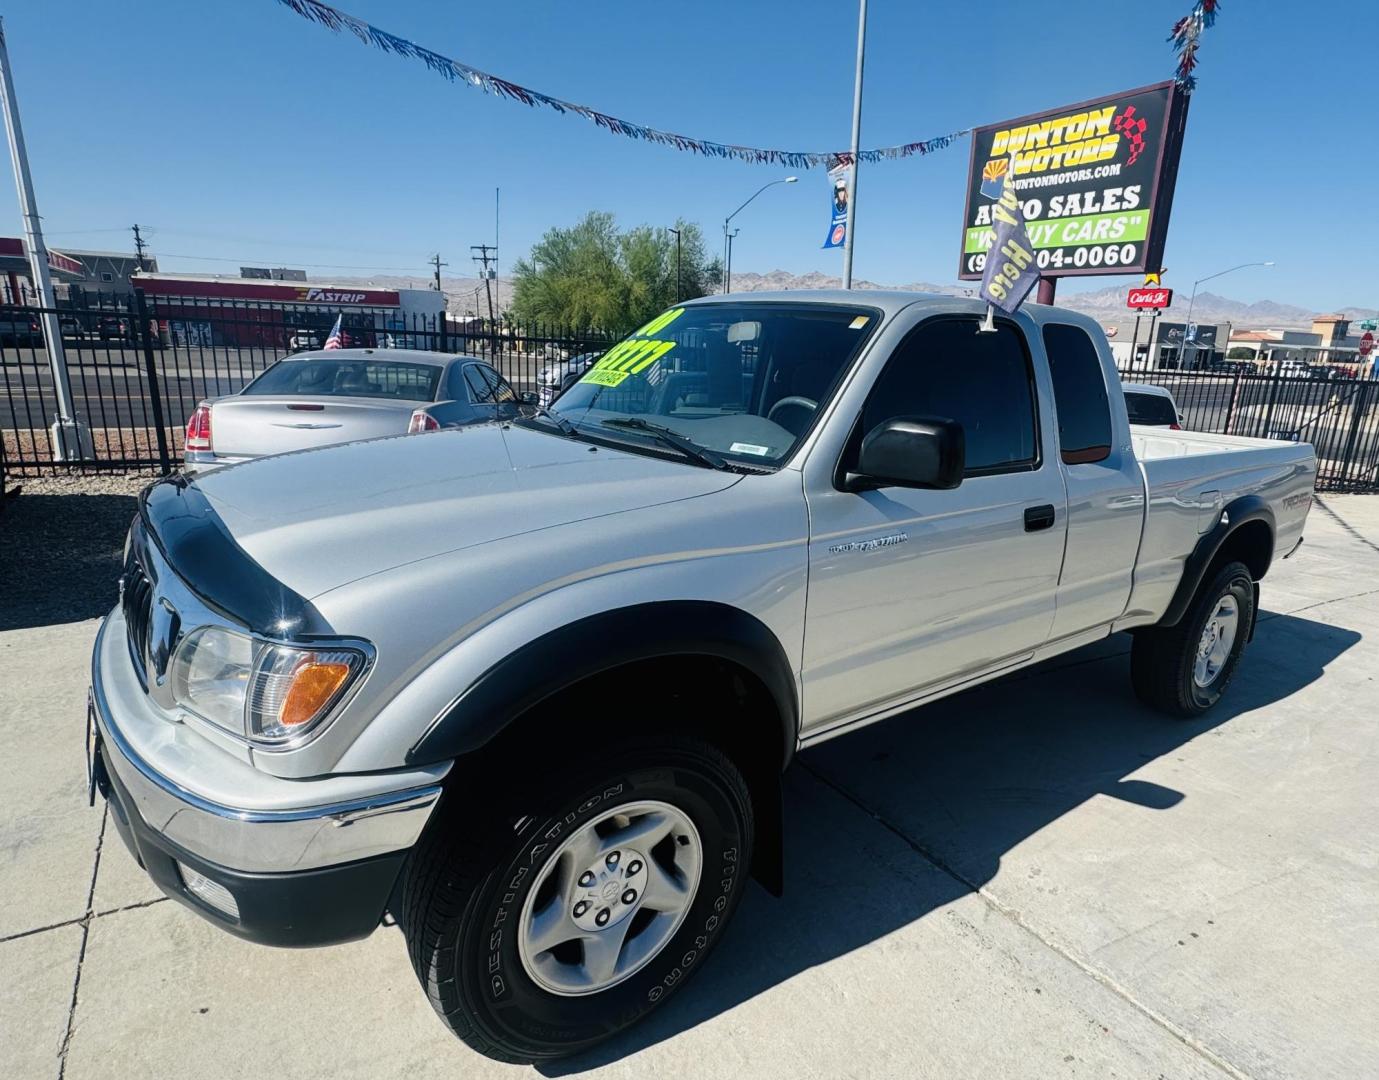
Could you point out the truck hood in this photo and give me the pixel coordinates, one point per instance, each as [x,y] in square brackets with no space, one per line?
[318,519]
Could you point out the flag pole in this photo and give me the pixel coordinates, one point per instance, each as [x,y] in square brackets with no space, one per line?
[856,143]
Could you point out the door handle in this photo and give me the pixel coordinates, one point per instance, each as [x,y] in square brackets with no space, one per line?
[1038,517]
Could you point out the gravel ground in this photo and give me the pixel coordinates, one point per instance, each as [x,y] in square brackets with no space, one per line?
[60,546]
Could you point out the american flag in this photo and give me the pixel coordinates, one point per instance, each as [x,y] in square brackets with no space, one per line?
[334,341]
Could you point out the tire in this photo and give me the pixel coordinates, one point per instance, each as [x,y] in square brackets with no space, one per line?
[1166,667]
[475,886]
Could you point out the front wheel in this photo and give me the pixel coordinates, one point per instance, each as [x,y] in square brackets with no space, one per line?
[1183,670]
[550,925]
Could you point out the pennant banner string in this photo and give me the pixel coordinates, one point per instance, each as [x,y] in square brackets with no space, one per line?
[1184,37]
[456,71]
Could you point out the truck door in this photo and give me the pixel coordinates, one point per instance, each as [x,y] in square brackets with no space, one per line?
[1105,488]
[910,590]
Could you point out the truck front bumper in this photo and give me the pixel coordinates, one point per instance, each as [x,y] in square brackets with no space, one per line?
[310,873]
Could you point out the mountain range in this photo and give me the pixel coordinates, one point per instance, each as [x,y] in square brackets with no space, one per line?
[1106,303]
[466,296]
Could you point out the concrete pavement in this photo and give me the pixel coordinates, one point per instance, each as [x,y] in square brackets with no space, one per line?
[1039,878]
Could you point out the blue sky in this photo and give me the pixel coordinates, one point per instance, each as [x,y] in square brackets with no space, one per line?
[238,131]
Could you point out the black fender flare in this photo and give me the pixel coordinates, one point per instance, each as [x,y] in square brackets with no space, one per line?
[1236,513]
[590,646]
[598,643]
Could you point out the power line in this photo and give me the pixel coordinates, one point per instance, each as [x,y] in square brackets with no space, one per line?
[313,266]
[436,262]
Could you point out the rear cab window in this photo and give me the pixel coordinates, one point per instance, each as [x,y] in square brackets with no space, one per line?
[1079,392]
[1151,409]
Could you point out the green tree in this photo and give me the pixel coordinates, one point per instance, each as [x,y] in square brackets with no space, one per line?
[1240,352]
[593,275]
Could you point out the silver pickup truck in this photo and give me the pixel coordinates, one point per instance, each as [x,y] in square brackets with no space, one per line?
[528,688]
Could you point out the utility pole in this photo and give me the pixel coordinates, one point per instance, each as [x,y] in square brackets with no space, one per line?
[435,261]
[139,246]
[856,145]
[483,259]
[71,442]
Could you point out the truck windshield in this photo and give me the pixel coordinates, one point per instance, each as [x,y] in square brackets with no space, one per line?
[318,377]
[743,380]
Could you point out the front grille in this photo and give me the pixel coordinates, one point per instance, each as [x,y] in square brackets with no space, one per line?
[136,599]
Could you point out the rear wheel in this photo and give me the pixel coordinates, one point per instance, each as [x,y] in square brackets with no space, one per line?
[563,915]
[1183,670]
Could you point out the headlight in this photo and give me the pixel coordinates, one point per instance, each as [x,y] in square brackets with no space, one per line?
[269,694]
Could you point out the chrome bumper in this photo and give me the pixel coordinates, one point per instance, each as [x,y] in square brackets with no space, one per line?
[253,840]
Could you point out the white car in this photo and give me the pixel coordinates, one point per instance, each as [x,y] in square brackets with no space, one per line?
[1151,406]
[558,376]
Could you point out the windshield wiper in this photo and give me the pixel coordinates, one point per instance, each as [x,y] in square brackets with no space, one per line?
[564,426]
[670,438]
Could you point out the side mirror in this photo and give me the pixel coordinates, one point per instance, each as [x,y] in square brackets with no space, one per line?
[910,451]
[528,397]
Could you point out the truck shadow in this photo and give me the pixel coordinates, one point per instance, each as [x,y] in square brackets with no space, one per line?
[895,821]
[60,557]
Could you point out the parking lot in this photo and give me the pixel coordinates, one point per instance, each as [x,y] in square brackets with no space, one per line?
[1038,878]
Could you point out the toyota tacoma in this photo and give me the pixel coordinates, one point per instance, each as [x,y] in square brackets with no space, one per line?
[528,688]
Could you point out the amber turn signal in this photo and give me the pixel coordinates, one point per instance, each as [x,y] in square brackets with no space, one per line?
[313,686]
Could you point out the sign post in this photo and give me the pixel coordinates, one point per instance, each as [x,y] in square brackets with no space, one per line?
[1095,182]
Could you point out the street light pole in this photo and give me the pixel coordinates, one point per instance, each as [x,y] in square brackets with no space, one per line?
[728,237]
[70,441]
[1187,329]
[856,144]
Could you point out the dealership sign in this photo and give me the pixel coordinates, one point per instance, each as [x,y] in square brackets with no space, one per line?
[1152,297]
[1095,182]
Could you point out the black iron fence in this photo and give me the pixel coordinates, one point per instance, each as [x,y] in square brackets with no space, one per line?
[138,367]
[1339,415]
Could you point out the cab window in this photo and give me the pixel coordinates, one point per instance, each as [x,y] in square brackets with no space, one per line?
[985,382]
[1079,394]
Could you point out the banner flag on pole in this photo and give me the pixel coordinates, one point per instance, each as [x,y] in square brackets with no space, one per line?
[839,180]
[1010,267]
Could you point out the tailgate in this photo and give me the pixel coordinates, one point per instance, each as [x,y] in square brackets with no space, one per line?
[251,426]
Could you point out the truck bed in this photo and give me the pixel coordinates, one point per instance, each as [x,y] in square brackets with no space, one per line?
[1189,477]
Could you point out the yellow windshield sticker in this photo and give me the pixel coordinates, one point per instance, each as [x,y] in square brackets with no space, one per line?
[644,362]
[858,323]
[656,325]
[634,354]
[605,378]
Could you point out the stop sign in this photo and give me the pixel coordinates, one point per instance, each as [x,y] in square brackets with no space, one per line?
[1367,343]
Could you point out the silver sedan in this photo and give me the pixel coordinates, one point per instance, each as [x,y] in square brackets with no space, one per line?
[322,397]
